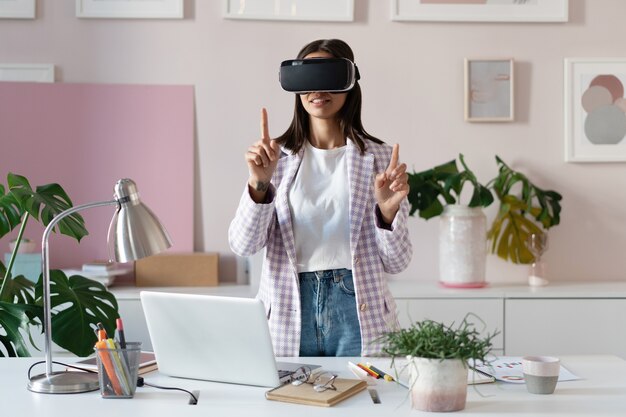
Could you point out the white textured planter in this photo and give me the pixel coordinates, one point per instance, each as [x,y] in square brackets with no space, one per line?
[462,247]
[438,385]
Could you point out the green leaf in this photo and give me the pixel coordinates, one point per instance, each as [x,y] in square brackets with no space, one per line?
[427,187]
[78,305]
[14,324]
[434,209]
[481,197]
[20,290]
[455,183]
[45,203]
[423,196]
[10,212]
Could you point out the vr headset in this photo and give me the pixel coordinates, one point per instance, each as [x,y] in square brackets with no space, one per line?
[332,75]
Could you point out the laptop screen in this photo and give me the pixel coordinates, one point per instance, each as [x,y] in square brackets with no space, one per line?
[224,339]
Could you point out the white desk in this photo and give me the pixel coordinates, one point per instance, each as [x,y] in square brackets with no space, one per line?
[602,392]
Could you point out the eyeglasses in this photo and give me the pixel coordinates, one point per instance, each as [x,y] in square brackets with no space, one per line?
[321,382]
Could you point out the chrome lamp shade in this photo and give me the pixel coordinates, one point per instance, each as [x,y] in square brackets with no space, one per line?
[134,233]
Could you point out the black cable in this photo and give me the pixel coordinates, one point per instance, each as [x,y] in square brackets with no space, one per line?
[62,364]
[141,382]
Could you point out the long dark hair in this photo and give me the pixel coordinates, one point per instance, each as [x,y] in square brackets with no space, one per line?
[349,115]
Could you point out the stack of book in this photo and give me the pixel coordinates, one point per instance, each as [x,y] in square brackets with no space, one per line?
[103,272]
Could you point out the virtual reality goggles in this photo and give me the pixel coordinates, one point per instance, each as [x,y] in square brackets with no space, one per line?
[332,75]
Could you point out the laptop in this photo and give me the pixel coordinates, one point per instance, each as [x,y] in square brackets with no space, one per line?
[223,339]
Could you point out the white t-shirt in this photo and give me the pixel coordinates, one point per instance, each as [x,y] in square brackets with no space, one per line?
[319,200]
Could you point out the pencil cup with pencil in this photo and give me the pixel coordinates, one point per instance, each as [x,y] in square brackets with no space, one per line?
[117,368]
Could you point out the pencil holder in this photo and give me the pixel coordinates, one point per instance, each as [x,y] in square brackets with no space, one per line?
[117,370]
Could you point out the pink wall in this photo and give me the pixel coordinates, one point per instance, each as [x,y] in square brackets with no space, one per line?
[413,94]
[86,137]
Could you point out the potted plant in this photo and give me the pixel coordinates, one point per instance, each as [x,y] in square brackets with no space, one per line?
[462,228]
[438,358]
[77,303]
[524,208]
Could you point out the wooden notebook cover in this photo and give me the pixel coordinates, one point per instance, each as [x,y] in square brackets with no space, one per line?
[305,394]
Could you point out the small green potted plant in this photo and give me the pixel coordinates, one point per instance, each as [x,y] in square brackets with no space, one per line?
[438,359]
[77,303]
[524,208]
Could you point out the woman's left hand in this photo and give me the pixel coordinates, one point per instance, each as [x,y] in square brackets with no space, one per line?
[391,187]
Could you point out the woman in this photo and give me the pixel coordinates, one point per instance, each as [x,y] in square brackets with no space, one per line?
[328,203]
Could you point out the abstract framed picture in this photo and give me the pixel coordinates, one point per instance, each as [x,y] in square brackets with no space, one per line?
[17,9]
[302,10]
[595,109]
[480,10]
[130,9]
[489,90]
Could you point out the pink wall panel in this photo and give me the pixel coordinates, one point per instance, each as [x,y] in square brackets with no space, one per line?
[86,137]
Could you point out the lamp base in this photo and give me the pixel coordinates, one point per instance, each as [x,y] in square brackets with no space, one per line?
[64,383]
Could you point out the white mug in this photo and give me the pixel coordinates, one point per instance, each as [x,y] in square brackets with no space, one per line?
[541,373]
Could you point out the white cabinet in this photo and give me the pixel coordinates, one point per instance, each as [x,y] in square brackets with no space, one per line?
[548,326]
[560,319]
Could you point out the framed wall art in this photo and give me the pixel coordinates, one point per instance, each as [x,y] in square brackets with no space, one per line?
[303,10]
[133,9]
[595,109]
[480,10]
[489,90]
[42,73]
[17,9]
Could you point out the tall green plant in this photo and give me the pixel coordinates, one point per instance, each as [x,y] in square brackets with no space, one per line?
[77,302]
[524,207]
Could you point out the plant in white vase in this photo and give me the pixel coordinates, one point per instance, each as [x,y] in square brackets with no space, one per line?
[525,209]
[438,357]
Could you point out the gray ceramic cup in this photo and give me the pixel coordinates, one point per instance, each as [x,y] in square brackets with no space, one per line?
[541,373]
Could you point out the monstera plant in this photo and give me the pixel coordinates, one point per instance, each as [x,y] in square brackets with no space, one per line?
[524,207]
[77,303]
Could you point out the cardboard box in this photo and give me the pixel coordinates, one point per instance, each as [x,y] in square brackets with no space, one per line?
[173,270]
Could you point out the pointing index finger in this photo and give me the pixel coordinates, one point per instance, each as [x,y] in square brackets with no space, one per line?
[394,158]
[265,131]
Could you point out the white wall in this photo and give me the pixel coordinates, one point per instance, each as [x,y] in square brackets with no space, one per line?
[413,94]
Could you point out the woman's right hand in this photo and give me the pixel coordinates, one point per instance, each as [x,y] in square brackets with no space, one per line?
[262,158]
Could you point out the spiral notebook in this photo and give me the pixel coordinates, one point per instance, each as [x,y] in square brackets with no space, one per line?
[305,394]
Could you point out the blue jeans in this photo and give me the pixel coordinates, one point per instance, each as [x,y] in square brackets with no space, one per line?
[330,324]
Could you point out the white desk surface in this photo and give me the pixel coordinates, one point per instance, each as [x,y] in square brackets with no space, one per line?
[602,392]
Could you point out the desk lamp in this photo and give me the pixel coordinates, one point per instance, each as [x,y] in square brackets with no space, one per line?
[134,233]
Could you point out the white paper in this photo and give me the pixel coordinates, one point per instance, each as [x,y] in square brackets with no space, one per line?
[509,369]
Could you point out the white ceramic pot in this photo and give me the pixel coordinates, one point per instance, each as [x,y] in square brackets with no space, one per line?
[438,385]
[462,247]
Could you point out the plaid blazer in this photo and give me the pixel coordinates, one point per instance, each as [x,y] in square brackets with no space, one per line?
[375,251]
